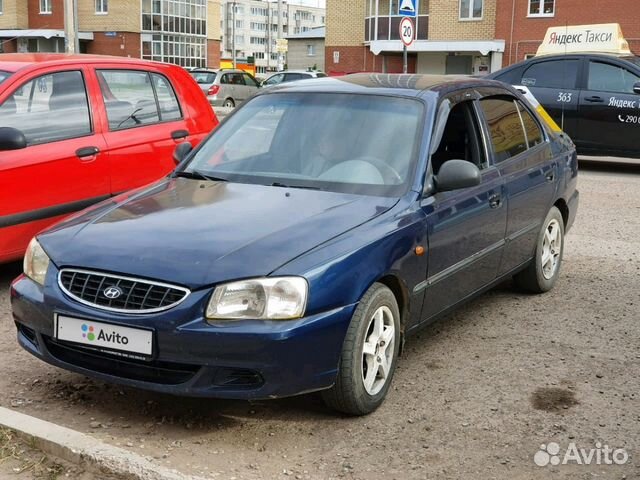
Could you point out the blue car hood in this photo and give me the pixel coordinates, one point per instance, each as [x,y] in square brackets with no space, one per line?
[197,233]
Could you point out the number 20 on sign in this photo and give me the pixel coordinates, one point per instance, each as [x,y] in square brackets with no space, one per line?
[407,31]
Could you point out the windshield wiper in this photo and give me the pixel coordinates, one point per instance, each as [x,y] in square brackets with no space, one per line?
[132,116]
[308,187]
[198,175]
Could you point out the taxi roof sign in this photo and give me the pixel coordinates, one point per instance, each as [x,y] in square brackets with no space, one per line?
[601,38]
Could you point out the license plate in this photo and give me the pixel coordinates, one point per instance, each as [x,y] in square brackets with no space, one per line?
[104,335]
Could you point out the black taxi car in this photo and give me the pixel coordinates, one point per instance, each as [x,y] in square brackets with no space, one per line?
[594,97]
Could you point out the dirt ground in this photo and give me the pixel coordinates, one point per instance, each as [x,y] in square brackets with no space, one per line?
[475,395]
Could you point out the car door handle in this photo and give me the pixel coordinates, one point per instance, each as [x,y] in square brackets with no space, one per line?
[179,134]
[85,152]
[550,176]
[594,99]
[495,201]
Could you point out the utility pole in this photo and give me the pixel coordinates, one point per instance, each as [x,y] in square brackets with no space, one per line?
[233,34]
[280,63]
[72,44]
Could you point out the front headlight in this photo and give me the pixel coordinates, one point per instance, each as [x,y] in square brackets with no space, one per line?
[276,298]
[36,262]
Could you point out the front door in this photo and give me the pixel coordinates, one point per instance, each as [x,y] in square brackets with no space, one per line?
[609,110]
[64,167]
[465,227]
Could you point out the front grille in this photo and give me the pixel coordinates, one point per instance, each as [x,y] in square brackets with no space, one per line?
[133,295]
[165,373]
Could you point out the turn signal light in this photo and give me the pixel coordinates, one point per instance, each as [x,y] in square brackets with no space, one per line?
[213,89]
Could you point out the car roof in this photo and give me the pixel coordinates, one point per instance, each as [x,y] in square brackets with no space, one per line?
[410,85]
[630,58]
[13,62]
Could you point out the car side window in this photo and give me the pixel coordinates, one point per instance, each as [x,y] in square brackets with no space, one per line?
[249,80]
[235,78]
[167,100]
[610,78]
[274,79]
[552,74]
[505,127]
[460,138]
[129,98]
[49,108]
[224,80]
[531,128]
[292,77]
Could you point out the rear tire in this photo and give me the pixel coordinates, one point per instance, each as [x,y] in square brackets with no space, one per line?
[541,275]
[369,354]
[229,103]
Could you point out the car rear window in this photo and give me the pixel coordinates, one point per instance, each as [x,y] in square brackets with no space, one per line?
[203,77]
[4,76]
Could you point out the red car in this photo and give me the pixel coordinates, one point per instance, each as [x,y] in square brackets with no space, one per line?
[77,129]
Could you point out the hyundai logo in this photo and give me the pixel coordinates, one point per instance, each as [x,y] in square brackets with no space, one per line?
[112,292]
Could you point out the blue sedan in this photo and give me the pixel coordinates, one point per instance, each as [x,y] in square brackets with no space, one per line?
[296,248]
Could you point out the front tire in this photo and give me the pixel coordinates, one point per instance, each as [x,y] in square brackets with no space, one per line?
[369,354]
[541,275]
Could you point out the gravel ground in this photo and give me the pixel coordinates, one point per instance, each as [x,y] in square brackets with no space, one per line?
[475,395]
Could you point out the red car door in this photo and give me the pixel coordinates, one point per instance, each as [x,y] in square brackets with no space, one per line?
[63,168]
[143,123]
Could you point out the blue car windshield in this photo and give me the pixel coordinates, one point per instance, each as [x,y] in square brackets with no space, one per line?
[365,144]
[4,76]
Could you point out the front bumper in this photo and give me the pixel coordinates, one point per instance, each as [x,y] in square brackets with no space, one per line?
[232,359]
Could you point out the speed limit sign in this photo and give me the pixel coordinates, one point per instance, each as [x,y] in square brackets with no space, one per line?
[407,31]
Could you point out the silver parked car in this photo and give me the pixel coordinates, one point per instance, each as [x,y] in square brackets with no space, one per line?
[291,76]
[225,87]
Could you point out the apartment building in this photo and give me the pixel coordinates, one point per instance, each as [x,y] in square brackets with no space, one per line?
[452,36]
[184,32]
[523,23]
[252,29]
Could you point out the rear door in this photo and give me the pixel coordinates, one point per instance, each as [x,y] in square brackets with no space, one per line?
[609,109]
[554,83]
[523,155]
[143,122]
[64,167]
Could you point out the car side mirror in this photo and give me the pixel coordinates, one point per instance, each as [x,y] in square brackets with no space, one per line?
[636,87]
[12,139]
[456,174]
[181,152]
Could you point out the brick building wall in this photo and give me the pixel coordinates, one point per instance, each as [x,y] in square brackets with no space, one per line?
[213,53]
[55,20]
[123,16]
[124,44]
[528,32]
[15,15]
[445,23]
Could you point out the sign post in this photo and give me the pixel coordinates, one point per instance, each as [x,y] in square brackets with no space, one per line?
[407,33]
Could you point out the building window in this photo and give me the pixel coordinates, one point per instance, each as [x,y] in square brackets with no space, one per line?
[311,50]
[45,6]
[542,8]
[102,7]
[471,9]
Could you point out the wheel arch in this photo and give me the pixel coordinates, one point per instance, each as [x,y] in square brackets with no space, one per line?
[400,291]
[561,205]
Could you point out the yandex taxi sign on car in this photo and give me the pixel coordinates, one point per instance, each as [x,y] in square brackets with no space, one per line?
[602,38]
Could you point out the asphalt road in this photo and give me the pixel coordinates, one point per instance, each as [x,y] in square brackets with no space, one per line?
[476,395]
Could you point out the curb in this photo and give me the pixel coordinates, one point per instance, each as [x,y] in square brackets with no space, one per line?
[84,450]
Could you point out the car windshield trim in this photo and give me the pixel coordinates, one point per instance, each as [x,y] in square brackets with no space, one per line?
[633,59]
[370,148]
[4,75]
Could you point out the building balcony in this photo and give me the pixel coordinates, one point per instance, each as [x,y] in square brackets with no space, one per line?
[387,27]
